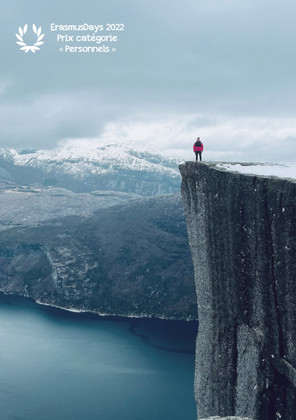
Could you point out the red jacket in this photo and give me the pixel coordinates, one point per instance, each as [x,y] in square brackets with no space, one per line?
[198,148]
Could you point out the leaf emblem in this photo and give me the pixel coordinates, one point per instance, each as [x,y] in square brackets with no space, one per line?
[24,46]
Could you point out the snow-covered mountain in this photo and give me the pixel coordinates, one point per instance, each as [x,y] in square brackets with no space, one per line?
[85,166]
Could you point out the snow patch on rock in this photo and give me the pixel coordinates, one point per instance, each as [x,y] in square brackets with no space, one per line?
[280,170]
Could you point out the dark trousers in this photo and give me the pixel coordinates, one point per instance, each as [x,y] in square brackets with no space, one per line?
[196,156]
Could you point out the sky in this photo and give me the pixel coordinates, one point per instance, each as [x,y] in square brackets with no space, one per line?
[223,70]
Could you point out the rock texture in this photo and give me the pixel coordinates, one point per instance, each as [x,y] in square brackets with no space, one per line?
[243,241]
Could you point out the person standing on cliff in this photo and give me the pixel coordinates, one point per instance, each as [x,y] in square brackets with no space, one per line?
[198,149]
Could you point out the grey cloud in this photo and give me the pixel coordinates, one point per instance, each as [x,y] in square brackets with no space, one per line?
[207,58]
[42,121]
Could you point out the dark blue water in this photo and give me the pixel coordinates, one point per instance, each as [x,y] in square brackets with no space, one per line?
[63,366]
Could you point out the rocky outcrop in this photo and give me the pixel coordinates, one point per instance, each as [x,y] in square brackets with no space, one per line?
[242,237]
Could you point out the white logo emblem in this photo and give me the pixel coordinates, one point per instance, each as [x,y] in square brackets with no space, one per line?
[24,46]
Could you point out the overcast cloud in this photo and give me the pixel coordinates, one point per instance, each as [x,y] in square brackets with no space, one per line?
[219,69]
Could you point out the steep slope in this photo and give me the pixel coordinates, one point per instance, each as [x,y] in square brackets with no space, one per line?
[131,259]
[243,241]
[104,166]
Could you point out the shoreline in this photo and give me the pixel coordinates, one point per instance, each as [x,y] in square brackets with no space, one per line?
[98,314]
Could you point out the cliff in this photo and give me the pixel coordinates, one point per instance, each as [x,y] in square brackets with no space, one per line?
[242,237]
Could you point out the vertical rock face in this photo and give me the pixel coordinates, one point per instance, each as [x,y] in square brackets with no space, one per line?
[242,237]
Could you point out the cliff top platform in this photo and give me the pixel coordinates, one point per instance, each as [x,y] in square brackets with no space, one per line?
[279,170]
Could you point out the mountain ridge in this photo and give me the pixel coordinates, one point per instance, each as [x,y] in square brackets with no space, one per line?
[107,166]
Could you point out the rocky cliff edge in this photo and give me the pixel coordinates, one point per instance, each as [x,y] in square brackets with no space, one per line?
[243,242]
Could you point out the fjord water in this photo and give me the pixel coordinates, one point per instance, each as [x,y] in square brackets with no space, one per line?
[59,365]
